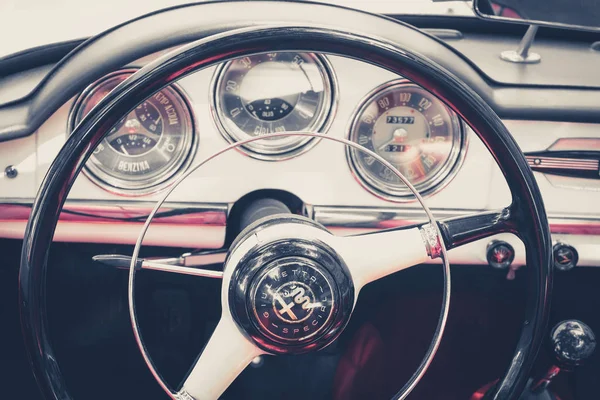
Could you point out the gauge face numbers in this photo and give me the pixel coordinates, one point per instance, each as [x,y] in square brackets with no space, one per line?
[273,93]
[147,146]
[412,130]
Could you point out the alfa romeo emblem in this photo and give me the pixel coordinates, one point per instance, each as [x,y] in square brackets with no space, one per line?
[293,300]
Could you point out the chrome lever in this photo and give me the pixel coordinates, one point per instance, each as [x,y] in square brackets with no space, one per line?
[199,258]
[187,263]
[184,264]
[123,262]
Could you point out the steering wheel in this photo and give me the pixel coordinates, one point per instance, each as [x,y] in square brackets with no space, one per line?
[264,256]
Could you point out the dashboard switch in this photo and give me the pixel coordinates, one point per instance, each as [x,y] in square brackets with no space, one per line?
[500,254]
[11,172]
[565,257]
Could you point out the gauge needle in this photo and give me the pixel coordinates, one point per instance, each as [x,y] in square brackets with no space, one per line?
[420,166]
[157,123]
[398,136]
[124,150]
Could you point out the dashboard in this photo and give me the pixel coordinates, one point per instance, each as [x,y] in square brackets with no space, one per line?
[345,189]
[240,110]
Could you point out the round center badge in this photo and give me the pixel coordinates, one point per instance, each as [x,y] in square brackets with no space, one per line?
[293,299]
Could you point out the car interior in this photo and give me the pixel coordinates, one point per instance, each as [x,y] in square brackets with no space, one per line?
[288,199]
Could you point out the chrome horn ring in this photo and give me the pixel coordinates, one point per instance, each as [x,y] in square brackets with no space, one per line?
[311,234]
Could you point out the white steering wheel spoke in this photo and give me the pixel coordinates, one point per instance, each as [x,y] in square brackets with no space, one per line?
[376,255]
[227,353]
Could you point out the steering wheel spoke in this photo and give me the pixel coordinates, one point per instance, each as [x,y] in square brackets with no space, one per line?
[227,353]
[375,255]
[462,230]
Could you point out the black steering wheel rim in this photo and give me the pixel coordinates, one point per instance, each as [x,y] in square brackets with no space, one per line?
[527,217]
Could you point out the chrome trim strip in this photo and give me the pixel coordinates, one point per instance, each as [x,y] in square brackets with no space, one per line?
[367,219]
[550,162]
[375,217]
[193,225]
[124,211]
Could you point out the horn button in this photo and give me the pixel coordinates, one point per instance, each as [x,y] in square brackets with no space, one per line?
[290,292]
[292,300]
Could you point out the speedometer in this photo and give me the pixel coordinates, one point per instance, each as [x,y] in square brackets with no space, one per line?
[271,93]
[413,131]
[147,147]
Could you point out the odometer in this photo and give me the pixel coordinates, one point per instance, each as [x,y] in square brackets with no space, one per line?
[147,147]
[412,130]
[271,93]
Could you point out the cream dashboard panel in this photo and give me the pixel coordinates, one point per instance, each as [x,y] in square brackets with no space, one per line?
[319,176]
[563,196]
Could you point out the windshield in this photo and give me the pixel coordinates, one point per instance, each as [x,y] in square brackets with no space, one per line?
[29,23]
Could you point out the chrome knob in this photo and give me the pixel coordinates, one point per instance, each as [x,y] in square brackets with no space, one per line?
[500,254]
[565,257]
[572,343]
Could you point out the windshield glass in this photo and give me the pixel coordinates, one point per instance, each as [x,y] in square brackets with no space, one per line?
[29,23]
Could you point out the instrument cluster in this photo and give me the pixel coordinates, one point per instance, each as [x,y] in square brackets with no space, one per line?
[271,93]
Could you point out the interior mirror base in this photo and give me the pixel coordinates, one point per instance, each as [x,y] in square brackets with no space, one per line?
[522,54]
[557,14]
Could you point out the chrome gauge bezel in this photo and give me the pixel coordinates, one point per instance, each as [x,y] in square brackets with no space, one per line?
[293,147]
[430,186]
[140,187]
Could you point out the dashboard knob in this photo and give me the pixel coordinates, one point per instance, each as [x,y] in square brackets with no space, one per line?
[500,254]
[572,343]
[565,257]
